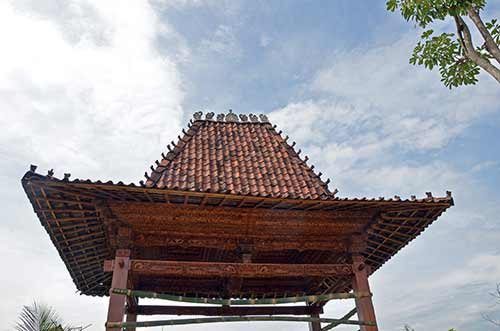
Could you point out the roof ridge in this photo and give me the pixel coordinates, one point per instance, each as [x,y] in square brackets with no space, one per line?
[231,117]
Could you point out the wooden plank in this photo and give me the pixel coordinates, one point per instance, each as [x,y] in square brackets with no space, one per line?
[244,270]
[227,311]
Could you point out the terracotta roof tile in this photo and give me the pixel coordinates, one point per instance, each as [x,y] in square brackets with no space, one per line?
[237,156]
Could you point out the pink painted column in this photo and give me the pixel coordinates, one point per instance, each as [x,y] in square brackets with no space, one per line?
[116,309]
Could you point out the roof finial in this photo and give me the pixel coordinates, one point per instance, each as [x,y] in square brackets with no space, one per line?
[448,194]
[66,176]
[263,118]
[33,168]
[197,115]
[209,116]
[429,195]
[243,118]
[220,117]
[231,117]
[50,173]
[254,118]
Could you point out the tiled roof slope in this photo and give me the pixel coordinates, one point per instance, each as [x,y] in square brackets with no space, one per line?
[237,155]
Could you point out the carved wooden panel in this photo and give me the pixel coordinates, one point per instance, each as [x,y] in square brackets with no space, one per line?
[243,270]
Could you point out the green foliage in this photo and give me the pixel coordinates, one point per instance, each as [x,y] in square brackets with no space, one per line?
[494,29]
[424,12]
[39,318]
[444,51]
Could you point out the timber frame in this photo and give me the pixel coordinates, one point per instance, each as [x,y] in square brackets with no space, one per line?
[89,222]
[231,215]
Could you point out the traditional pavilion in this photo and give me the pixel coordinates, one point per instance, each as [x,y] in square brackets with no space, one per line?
[232,215]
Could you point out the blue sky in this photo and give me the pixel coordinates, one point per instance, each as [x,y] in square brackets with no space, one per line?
[98,89]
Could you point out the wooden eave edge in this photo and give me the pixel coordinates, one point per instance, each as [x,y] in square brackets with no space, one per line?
[32,177]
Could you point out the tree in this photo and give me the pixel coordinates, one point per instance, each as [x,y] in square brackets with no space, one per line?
[458,58]
[40,318]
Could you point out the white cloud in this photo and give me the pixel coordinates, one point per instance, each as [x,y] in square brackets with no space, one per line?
[74,98]
[223,42]
[372,122]
[414,108]
[371,107]
[83,89]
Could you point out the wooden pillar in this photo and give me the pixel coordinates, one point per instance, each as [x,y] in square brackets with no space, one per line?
[131,317]
[132,307]
[315,326]
[116,309]
[364,305]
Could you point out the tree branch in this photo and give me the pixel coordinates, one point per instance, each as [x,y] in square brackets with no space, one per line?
[490,43]
[465,38]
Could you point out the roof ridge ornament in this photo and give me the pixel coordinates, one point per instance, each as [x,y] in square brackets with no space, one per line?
[231,117]
[197,115]
[210,116]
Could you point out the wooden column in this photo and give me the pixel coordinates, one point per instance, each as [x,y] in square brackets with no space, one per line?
[314,326]
[364,305]
[132,306]
[121,265]
[131,317]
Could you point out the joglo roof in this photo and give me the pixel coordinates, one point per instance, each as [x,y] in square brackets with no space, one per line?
[230,164]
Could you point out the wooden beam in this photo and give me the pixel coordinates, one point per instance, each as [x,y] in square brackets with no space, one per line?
[244,270]
[232,319]
[227,311]
[345,317]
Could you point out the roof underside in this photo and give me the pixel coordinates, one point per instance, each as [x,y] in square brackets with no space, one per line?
[237,156]
[68,211]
